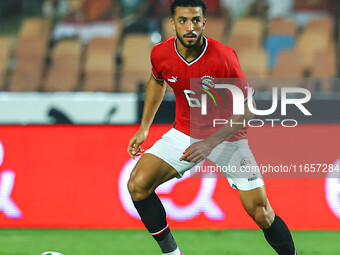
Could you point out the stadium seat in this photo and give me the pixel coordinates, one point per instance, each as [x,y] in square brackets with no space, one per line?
[60,80]
[30,53]
[64,72]
[67,48]
[101,45]
[34,47]
[29,65]
[244,42]
[35,27]
[320,25]
[131,82]
[324,65]
[215,28]
[5,44]
[27,75]
[274,44]
[68,68]
[2,80]
[282,27]
[99,72]
[99,81]
[248,26]
[99,63]
[31,27]
[167,29]
[247,33]
[290,64]
[136,62]
[311,43]
[66,63]
[321,41]
[24,82]
[288,56]
[254,63]
[317,37]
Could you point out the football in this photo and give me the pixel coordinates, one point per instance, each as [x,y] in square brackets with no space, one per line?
[51,253]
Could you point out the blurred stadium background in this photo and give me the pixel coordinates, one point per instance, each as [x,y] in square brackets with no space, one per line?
[72,81]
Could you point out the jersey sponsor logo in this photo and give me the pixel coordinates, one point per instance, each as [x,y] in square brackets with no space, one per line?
[172,79]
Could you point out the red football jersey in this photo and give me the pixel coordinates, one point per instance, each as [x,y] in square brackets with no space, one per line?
[215,62]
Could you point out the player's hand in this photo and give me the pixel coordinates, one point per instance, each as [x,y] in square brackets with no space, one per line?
[134,148]
[197,152]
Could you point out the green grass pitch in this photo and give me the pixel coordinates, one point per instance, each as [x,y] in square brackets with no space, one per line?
[135,242]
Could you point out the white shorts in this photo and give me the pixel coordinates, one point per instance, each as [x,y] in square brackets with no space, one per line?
[235,159]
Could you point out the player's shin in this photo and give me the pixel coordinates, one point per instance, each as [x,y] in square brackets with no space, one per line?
[153,215]
[279,237]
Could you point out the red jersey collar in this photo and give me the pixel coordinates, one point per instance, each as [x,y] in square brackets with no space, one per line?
[196,59]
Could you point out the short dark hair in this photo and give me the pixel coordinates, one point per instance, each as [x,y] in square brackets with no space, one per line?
[188,3]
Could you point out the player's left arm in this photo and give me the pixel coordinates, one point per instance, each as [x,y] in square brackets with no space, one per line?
[200,150]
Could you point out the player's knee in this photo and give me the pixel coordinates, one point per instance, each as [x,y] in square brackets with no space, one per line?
[137,187]
[262,217]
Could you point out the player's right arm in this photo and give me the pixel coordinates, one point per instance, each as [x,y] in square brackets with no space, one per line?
[153,97]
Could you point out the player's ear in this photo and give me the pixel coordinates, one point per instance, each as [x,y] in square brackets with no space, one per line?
[204,23]
[173,24]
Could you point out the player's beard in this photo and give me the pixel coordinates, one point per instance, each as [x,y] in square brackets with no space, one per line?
[186,45]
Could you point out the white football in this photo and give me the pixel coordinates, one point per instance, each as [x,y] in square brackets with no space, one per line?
[51,253]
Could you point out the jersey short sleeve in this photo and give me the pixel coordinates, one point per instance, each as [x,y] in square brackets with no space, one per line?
[155,62]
